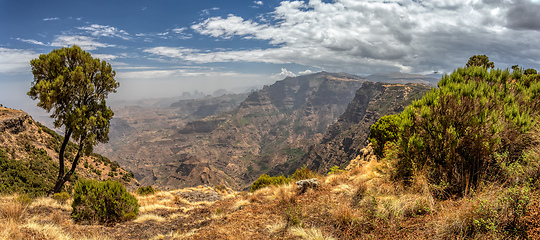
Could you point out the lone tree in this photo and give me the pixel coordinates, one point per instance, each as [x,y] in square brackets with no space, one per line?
[74,86]
[480,61]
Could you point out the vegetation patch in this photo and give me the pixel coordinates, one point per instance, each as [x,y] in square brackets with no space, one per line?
[105,202]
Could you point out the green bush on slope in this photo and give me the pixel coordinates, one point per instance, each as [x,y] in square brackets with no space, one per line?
[454,133]
[33,176]
[105,202]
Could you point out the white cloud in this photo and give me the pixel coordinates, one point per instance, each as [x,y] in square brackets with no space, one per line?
[31,41]
[228,27]
[283,74]
[260,3]
[105,57]
[51,19]
[85,42]
[379,35]
[16,60]
[207,11]
[306,72]
[97,30]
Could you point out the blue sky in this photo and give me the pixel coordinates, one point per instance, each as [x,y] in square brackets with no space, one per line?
[164,48]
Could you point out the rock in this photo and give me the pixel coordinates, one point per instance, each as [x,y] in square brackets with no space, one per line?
[303,185]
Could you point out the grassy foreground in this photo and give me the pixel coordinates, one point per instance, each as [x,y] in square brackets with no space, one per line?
[361,203]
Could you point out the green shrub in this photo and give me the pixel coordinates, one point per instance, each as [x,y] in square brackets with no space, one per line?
[386,129]
[127,177]
[265,180]
[146,190]
[220,188]
[33,176]
[61,197]
[335,170]
[454,132]
[105,202]
[24,199]
[303,173]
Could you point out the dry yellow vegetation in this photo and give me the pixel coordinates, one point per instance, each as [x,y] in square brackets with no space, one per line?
[361,203]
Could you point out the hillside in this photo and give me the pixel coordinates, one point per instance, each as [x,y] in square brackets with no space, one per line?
[29,157]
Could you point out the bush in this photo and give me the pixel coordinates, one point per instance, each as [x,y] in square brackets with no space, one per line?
[146,190]
[454,132]
[265,180]
[24,199]
[128,176]
[335,170]
[386,129]
[33,176]
[61,197]
[303,173]
[105,202]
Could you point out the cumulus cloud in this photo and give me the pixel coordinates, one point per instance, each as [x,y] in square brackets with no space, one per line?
[380,35]
[283,74]
[260,3]
[51,19]
[306,72]
[227,27]
[85,42]
[97,30]
[16,60]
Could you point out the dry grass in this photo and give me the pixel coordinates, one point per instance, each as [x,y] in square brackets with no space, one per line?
[175,235]
[51,203]
[12,211]
[277,227]
[309,234]
[149,217]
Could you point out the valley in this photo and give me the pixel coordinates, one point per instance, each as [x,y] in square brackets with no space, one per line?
[234,138]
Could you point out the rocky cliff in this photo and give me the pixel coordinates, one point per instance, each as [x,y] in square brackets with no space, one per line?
[344,139]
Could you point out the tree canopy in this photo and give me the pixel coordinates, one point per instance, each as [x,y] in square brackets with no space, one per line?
[73,85]
[480,61]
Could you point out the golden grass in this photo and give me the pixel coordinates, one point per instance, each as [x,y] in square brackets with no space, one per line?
[309,233]
[9,229]
[149,217]
[240,204]
[175,235]
[52,203]
[12,211]
[51,231]
[277,227]
[177,215]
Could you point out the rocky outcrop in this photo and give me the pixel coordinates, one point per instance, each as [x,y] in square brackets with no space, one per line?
[201,126]
[13,121]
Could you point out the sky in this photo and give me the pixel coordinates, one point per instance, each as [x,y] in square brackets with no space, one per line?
[162,48]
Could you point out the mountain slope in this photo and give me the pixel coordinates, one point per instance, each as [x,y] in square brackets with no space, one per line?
[29,157]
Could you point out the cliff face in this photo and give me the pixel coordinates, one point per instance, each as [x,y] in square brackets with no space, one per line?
[36,146]
[344,140]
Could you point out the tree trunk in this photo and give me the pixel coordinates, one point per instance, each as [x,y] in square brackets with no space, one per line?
[60,180]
